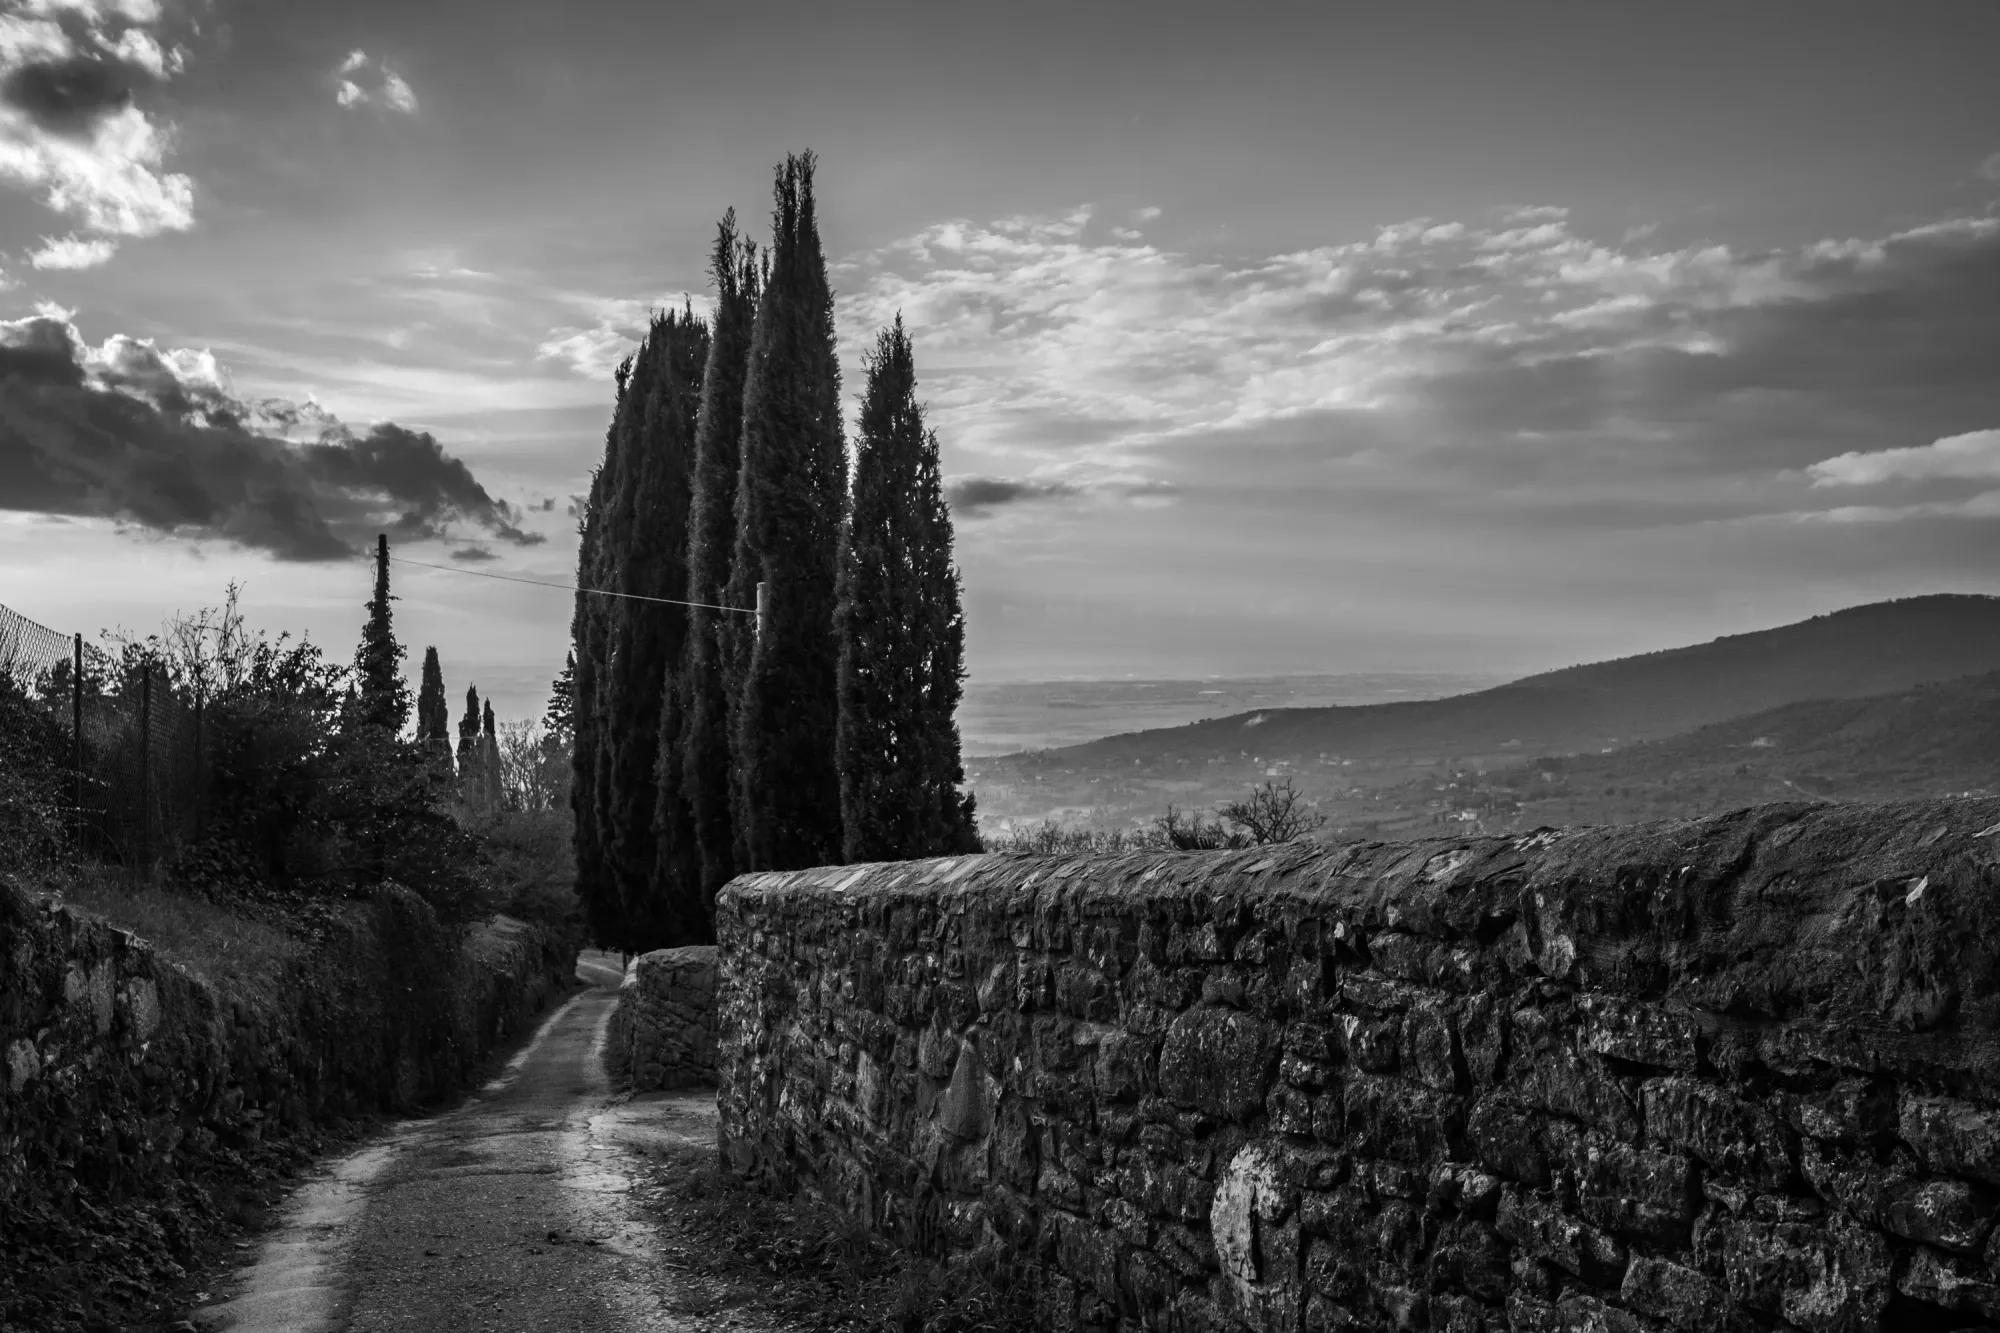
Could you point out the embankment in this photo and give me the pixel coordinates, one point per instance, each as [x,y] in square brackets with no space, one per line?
[140,1105]
[1718,1074]
[662,1034]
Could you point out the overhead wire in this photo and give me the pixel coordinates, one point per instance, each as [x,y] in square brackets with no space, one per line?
[564,587]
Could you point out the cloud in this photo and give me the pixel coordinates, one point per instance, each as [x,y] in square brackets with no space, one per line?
[473,554]
[128,432]
[361,80]
[974,496]
[1973,456]
[71,127]
[1990,168]
[72,252]
[1516,367]
[616,325]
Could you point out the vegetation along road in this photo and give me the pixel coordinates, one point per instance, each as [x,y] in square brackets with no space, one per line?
[514,1211]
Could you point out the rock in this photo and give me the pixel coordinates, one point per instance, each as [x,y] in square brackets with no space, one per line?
[1217,1060]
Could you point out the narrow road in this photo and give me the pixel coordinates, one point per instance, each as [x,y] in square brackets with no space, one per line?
[509,1213]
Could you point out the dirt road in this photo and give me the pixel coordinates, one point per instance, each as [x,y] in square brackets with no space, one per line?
[512,1212]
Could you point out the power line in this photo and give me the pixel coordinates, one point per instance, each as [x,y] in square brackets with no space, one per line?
[564,587]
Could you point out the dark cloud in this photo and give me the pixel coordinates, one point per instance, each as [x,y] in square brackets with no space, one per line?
[122,433]
[473,554]
[972,497]
[977,497]
[70,95]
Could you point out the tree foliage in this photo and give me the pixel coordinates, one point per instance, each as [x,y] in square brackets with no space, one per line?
[716,638]
[790,502]
[901,632]
[383,696]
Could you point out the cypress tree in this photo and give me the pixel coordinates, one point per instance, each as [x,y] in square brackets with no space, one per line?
[590,645]
[901,631]
[489,761]
[384,696]
[791,493]
[434,713]
[468,744]
[648,637]
[715,638]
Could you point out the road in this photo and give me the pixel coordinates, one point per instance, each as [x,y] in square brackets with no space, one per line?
[512,1212]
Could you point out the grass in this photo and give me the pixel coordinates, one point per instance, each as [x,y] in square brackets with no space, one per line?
[235,953]
[810,1267]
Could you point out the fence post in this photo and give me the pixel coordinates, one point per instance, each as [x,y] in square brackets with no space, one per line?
[76,731]
[197,780]
[146,771]
[762,603]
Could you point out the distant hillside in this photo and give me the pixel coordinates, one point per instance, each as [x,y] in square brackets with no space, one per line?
[1934,740]
[1874,649]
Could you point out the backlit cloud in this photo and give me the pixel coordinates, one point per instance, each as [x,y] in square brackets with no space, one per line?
[362,80]
[127,431]
[1515,365]
[71,252]
[1973,456]
[72,130]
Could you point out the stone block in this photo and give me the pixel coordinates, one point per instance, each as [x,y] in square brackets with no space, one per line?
[1219,1061]
[1684,1297]
[1951,1283]
[1823,1279]
[1952,1136]
[1539,1226]
[1722,1129]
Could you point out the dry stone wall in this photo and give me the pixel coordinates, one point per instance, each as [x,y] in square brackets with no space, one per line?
[662,1033]
[135,1097]
[1724,1074]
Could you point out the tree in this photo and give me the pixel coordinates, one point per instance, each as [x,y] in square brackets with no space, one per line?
[590,626]
[468,746]
[648,558]
[1272,813]
[901,632]
[791,494]
[560,716]
[489,761]
[715,638]
[433,713]
[384,696]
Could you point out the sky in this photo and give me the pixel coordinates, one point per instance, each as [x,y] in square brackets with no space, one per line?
[1258,338]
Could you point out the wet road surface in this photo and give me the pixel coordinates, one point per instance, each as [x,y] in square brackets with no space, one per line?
[512,1212]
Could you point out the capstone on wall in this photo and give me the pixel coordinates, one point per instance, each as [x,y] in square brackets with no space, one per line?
[1723,1074]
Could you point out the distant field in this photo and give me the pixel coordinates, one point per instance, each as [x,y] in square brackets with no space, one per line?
[1011,716]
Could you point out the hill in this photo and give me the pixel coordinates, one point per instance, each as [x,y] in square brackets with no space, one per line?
[1879,649]
[1934,740]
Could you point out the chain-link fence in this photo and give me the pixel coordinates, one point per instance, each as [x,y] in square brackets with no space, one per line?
[100,754]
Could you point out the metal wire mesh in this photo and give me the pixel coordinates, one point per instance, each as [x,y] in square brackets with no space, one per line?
[101,754]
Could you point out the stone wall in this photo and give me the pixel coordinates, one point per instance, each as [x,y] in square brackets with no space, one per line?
[662,1033]
[135,1097]
[1724,1074]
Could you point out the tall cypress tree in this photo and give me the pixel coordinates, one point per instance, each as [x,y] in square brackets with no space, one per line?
[901,631]
[434,713]
[384,697]
[648,637]
[468,744]
[791,493]
[715,638]
[489,761]
[590,636]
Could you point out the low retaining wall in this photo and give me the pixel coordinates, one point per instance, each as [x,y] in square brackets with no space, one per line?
[1724,1074]
[662,1033]
[134,1096]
